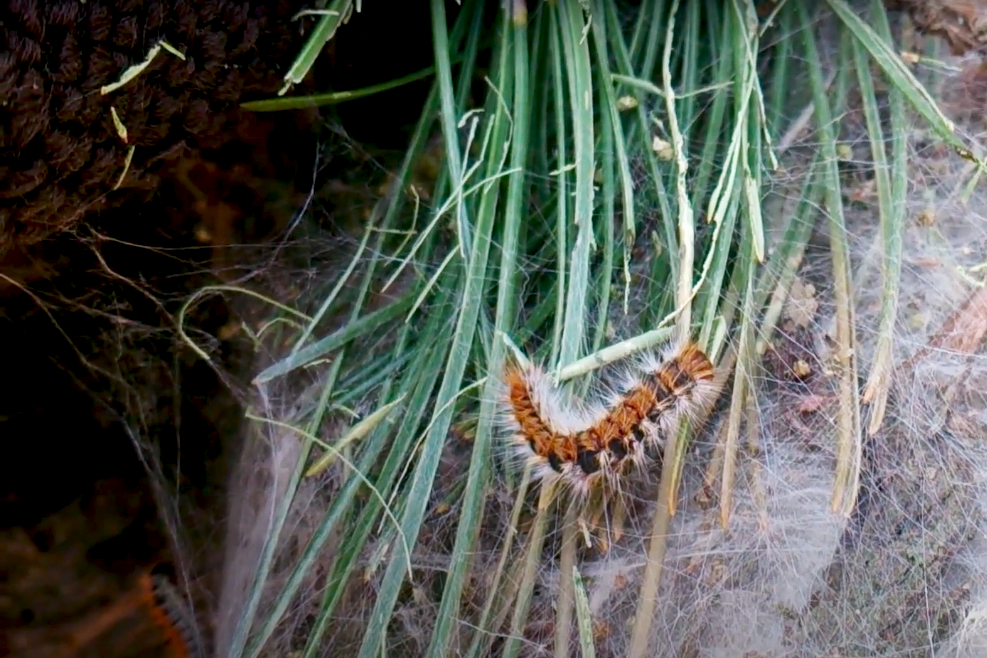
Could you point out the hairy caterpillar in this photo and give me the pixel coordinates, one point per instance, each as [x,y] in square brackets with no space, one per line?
[583,443]
[171,614]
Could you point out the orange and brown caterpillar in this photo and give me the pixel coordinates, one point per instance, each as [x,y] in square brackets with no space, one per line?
[582,443]
[170,613]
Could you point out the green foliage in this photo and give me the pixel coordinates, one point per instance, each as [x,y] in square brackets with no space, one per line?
[604,133]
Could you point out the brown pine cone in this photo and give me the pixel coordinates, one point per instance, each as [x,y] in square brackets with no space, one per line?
[60,153]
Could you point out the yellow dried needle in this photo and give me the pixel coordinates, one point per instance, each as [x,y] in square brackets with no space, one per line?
[357,432]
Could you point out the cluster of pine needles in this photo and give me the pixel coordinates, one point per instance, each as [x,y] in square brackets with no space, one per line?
[602,129]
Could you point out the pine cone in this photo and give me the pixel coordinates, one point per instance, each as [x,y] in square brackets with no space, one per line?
[61,156]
